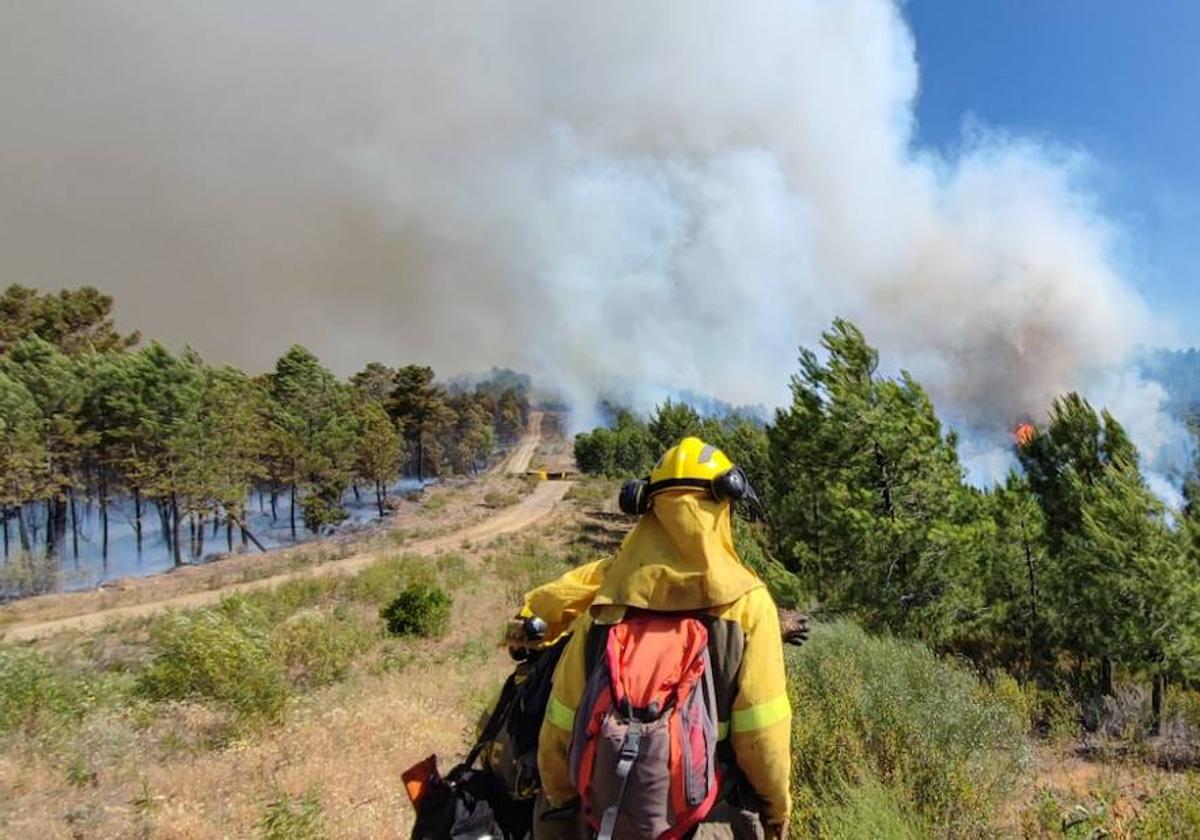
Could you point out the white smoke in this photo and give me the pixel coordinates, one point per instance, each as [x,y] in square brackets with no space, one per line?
[669,194]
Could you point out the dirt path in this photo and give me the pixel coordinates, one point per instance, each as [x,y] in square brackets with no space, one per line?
[539,503]
[519,461]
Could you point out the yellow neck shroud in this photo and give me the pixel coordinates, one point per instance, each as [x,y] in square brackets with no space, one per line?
[680,556]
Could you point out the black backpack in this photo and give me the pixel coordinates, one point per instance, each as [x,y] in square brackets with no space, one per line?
[497,799]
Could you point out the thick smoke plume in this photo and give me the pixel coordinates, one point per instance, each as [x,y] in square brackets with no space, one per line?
[669,194]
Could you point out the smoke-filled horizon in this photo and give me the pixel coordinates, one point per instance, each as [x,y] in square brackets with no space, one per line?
[618,197]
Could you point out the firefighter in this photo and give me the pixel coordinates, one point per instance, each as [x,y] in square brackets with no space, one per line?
[678,560]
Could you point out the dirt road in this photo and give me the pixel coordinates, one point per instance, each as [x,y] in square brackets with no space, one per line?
[539,503]
[522,456]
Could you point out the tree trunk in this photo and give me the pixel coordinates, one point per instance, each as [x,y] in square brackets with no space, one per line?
[1106,676]
[1156,704]
[4,516]
[261,509]
[74,527]
[60,522]
[199,550]
[274,504]
[22,529]
[137,517]
[357,497]
[103,517]
[292,512]
[216,523]
[228,533]
[51,530]
[246,535]
[164,520]
[1034,649]
[380,496]
[176,531]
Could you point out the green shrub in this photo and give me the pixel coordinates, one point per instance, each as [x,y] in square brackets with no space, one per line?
[1172,813]
[882,709]
[318,648]
[24,574]
[500,499]
[281,601]
[221,654]
[38,697]
[529,566]
[868,811]
[420,610]
[294,818]
[384,579]
[33,693]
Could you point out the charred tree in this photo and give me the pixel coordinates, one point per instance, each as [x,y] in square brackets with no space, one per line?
[137,517]
[176,530]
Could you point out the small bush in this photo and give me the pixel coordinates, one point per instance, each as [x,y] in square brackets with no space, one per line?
[222,654]
[882,709]
[499,499]
[529,566]
[291,596]
[318,648]
[420,610]
[24,575]
[294,818]
[1172,813]
[38,697]
[33,693]
[435,503]
[593,493]
[383,580]
[869,811]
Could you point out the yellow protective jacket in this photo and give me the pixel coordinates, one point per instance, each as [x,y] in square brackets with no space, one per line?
[561,601]
[680,557]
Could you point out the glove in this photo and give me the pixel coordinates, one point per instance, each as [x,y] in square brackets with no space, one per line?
[524,634]
[793,626]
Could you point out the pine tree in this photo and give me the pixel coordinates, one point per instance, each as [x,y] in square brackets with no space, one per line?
[380,450]
[314,430]
[76,321]
[868,494]
[671,423]
[22,455]
[56,386]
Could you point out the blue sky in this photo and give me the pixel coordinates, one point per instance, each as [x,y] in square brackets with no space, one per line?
[1118,78]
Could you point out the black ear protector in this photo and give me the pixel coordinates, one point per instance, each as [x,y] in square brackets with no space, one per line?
[730,486]
[635,497]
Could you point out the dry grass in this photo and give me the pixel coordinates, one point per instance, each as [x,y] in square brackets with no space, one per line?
[177,773]
[177,769]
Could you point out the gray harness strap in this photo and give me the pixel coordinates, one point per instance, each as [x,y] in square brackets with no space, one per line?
[629,753]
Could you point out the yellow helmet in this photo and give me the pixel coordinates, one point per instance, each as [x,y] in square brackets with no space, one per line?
[691,463]
[690,460]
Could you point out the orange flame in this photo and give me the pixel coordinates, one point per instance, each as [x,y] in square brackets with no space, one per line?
[1024,433]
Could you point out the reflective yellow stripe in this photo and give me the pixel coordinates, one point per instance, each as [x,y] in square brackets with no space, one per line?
[560,714]
[762,715]
[722,730]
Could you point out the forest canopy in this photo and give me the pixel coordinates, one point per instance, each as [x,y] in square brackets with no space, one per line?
[1069,569]
[87,412]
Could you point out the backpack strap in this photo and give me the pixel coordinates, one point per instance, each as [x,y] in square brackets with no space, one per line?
[508,697]
[630,748]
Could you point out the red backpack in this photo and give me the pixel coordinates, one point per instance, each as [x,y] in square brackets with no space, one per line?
[643,750]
